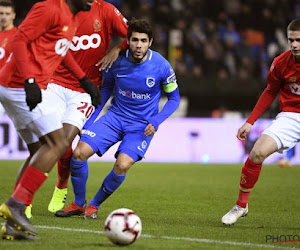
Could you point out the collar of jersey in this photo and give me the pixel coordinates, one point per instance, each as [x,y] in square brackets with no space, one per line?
[149,57]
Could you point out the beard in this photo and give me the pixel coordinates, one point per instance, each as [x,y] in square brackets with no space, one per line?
[137,59]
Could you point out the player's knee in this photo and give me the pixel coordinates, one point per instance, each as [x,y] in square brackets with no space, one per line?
[121,168]
[59,146]
[79,154]
[257,155]
[62,146]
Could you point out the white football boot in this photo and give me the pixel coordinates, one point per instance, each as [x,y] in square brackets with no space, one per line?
[234,214]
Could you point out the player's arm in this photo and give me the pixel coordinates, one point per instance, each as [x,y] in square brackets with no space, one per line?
[108,60]
[89,87]
[36,23]
[172,93]
[117,25]
[106,91]
[263,103]
[267,97]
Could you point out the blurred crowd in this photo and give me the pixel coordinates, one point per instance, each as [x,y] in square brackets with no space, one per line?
[217,47]
[220,47]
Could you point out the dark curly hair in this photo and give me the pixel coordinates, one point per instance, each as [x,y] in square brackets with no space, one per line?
[140,26]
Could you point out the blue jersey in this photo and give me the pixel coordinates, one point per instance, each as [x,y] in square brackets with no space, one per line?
[138,86]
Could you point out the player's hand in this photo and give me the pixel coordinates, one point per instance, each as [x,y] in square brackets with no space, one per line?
[109,58]
[149,130]
[92,90]
[33,93]
[244,131]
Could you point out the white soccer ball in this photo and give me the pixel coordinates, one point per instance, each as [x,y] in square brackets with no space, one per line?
[123,226]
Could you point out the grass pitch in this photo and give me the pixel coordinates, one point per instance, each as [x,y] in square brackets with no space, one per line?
[180,206]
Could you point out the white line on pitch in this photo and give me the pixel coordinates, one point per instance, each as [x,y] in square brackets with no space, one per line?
[174,238]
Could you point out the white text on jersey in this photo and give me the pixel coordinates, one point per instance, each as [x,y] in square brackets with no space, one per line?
[85,42]
[133,95]
[62,46]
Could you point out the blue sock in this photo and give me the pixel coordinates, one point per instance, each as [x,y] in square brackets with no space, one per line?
[111,182]
[79,176]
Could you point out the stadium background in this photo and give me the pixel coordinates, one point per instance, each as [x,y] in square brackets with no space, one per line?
[221,51]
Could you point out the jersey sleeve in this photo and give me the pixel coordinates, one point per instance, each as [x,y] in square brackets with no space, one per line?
[38,20]
[170,87]
[36,23]
[106,91]
[73,67]
[169,80]
[117,22]
[268,96]
[170,107]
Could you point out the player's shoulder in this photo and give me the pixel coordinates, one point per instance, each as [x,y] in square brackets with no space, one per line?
[283,58]
[104,5]
[104,9]
[154,55]
[49,5]
[52,3]
[158,58]
[121,60]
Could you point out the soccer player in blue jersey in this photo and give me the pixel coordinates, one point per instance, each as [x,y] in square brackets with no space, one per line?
[137,79]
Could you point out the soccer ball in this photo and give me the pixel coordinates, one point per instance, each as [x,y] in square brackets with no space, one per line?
[123,226]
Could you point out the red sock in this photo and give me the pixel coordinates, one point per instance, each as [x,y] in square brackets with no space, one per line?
[63,169]
[31,180]
[249,177]
[243,199]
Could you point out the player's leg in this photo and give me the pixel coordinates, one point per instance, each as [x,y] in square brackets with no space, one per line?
[264,146]
[99,137]
[281,135]
[63,167]
[9,231]
[78,109]
[79,176]
[33,144]
[111,182]
[132,149]
[54,145]
[32,147]
[42,121]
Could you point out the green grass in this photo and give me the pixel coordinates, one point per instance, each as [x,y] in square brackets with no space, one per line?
[180,206]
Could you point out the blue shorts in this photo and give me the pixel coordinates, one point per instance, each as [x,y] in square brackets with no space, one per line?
[112,128]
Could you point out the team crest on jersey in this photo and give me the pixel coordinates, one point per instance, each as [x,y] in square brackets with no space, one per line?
[65,28]
[97,25]
[292,79]
[150,81]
